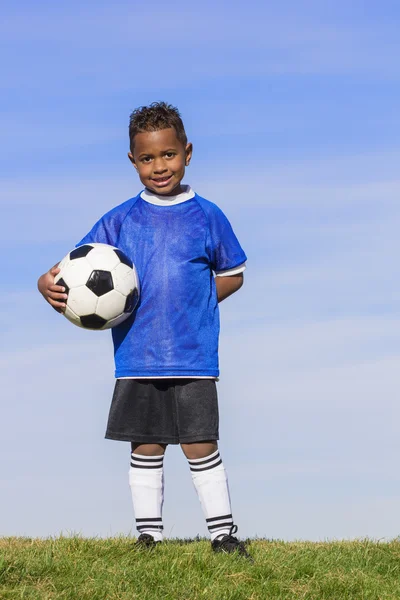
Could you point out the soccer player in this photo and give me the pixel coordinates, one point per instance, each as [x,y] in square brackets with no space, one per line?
[166,353]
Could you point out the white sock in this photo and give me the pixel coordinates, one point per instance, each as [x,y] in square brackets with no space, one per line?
[146,479]
[211,483]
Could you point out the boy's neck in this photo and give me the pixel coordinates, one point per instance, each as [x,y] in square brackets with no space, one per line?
[186,193]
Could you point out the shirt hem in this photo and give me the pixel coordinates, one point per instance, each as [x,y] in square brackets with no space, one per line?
[173,377]
[169,375]
[233,271]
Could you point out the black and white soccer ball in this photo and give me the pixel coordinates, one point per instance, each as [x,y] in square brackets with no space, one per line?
[102,286]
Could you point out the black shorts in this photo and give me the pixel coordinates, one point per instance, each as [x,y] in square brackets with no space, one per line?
[164,411]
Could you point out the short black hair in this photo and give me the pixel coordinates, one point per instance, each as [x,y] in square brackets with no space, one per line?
[156,116]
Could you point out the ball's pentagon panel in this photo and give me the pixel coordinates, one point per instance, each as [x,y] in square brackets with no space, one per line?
[124,279]
[101,258]
[76,273]
[110,304]
[80,252]
[61,281]
[82,301]
[131,301]
[93,321]
[123,258]
[100,282]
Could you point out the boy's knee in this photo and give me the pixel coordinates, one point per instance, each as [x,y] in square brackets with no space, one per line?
[199,449]
[148,449]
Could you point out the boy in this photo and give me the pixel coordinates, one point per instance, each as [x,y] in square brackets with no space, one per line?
[166,353]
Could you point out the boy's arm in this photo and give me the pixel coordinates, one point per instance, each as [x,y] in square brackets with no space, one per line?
[226,286]
[54,294]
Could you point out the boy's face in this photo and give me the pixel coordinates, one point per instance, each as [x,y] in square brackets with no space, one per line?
[160,159]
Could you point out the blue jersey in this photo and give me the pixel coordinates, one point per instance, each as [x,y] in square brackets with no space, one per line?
[175,247]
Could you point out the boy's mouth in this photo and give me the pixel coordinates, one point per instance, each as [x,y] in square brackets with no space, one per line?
[161,181]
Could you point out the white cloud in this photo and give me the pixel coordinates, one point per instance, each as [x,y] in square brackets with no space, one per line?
[264,41]
[317,344]
[49,133]
[262,27]
[315,197]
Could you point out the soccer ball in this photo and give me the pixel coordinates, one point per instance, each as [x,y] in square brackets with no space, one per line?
[102,286]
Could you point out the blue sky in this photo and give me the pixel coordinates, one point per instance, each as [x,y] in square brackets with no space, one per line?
[292,108]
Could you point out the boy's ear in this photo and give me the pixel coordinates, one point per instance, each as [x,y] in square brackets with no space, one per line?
[130,156]
[188,153]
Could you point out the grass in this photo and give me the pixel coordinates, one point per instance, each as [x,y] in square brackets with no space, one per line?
[112,569]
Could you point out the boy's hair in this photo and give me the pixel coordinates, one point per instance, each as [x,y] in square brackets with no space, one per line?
[156,116]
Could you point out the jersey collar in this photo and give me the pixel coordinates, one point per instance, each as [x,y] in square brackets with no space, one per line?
[152,198]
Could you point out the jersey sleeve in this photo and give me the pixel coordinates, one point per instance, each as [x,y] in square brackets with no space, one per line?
[107,229]
[226,254]
[101,233]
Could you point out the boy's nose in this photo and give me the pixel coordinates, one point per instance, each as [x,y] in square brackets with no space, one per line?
[159,167]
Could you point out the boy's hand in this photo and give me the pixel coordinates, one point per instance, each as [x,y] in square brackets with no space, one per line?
[54,294]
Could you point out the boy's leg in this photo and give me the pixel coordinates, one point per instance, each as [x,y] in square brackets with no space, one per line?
[211,483]
[146,479]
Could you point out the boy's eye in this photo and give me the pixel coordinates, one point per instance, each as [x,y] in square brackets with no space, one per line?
[169,154]
[146,159]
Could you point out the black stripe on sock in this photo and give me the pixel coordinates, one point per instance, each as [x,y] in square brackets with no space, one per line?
[220,526]
[145,459]
[219,518]
[150,528]
[203,462]
[145,466]
[206,468]
[146,520]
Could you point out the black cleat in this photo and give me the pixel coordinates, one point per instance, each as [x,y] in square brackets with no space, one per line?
[145,540]
[230,544]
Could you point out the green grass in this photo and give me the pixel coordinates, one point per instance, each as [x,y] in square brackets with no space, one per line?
[112,569]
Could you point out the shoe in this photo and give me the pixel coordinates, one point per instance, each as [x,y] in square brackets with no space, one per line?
[230,544]
[145,540]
